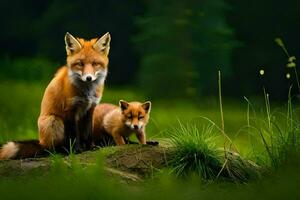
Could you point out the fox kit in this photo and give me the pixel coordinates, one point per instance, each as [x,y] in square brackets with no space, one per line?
[69,100]
[120,122]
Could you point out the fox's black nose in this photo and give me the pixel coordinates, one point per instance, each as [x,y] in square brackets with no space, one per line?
[88,78]
[136,127]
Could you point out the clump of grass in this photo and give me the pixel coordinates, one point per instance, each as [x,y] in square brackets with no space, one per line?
[195,152]
[278,132]
[280,139]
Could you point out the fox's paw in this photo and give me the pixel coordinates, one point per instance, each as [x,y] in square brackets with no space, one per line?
[152,142]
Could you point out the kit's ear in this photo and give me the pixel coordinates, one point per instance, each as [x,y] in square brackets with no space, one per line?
[72,44]
[147,106]
[102,45]
[123,105]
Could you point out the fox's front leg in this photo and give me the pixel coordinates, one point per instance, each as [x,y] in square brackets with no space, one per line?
[141,136]
[78,146]
[80,125]
[86,128]
[119,139]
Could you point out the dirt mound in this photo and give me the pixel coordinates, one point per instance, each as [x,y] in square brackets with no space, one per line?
[130,162]
[137,159]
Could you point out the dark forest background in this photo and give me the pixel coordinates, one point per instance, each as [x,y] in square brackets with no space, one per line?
[166,48]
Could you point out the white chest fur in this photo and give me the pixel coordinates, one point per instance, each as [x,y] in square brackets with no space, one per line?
[87,98]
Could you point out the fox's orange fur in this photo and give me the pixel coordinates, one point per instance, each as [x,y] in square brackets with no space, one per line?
[120,122]
[69,100]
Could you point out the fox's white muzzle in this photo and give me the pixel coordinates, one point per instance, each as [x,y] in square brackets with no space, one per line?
[135,127]
[88,77]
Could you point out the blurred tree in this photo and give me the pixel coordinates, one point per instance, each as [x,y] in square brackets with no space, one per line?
[183,44]
[180,45]
[18,18]
[37,28]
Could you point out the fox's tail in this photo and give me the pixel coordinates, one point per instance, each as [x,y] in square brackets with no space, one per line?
[21,149]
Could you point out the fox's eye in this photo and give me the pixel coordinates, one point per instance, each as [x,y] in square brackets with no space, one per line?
[141,117]
[80,64]
[95,64]
[129,116]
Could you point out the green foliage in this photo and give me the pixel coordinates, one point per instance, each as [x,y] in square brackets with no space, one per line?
[280,140]
[183,44]
[195,152]
[277,140]
[78,182]
[20,106]
[36,29]
[27,69]
[68,179]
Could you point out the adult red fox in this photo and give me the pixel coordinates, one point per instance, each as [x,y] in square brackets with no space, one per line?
[69,100]
[120,122]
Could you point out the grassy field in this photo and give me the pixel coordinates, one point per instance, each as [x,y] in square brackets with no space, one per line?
[20,104]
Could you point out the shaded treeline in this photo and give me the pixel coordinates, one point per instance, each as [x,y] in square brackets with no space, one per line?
[167,48]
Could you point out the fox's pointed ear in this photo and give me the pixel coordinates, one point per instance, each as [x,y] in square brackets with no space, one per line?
[72,44]
[102,45]
[123,105]
[147,106]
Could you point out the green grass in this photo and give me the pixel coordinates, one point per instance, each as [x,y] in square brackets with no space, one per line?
[243,123]
[195,152]
[20,106]
[75,182]
[279,133]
